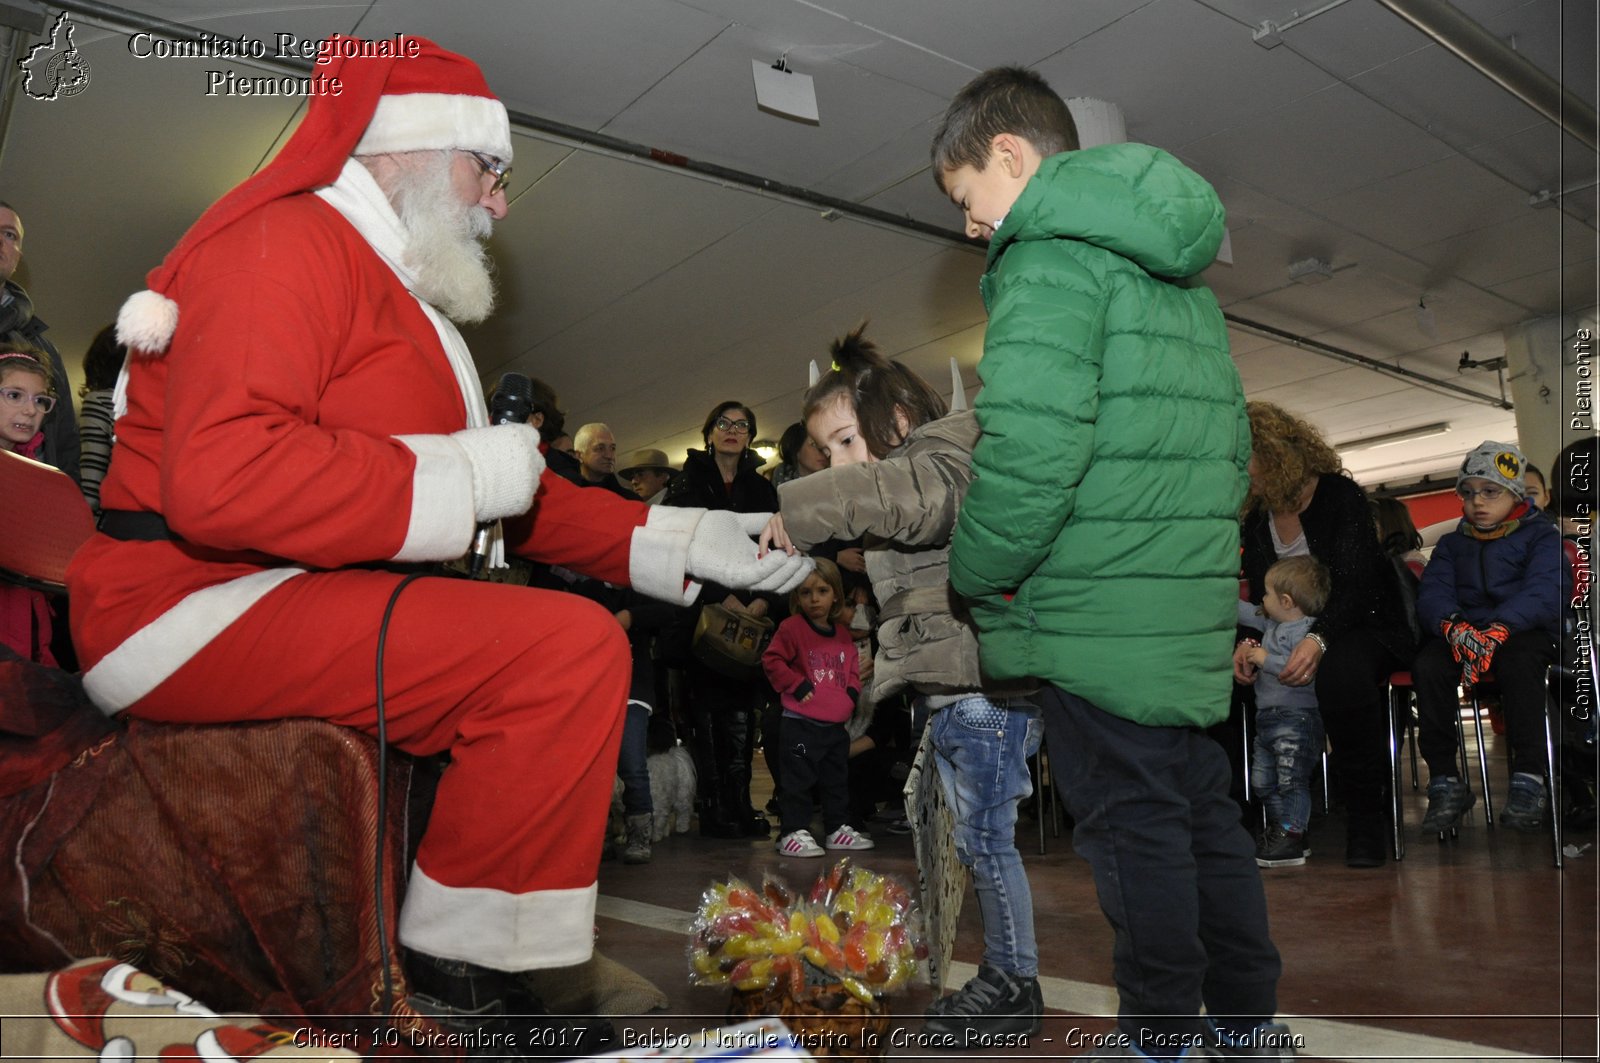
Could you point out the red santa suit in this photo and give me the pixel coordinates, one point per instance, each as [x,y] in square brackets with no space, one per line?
[295,436]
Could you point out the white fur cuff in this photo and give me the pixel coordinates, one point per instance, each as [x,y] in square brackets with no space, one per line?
[674,519]
[657,558]
[441,523]
[493,928]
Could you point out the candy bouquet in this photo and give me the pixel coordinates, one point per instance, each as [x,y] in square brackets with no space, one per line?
[824,962]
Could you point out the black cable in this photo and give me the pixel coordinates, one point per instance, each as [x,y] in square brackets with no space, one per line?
[387,1001]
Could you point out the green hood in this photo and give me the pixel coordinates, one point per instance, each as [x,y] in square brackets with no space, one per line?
[1132,199]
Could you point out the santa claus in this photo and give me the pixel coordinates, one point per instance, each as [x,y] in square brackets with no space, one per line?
[300,423]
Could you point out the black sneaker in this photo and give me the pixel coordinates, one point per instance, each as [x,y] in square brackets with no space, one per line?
[992,1010]
[1281,847]
[1526,805]
[1448,800]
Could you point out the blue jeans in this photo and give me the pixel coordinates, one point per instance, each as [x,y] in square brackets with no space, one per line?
[1286,749]
[632,766]
[982,749]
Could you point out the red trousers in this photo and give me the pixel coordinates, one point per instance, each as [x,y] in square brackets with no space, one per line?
[526,689]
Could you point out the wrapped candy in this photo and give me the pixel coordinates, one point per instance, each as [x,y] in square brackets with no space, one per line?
[856,930]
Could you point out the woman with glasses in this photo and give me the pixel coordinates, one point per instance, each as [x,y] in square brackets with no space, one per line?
[1300,501]
[723,710]
[26,395]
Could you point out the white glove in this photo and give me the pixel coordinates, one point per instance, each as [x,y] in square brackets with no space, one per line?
[721,551]
[506,466]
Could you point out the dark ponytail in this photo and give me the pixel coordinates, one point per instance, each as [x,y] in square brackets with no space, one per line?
[889,399]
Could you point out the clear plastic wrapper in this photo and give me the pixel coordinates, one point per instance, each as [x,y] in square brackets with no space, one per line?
[855,929]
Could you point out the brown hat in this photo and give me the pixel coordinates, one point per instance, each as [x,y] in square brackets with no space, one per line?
[645,459]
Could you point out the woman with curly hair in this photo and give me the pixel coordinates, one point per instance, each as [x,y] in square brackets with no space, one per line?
[1302,502]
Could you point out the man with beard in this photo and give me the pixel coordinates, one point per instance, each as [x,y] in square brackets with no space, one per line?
[303,423]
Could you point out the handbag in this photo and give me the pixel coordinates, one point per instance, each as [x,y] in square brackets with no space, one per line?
[729,642]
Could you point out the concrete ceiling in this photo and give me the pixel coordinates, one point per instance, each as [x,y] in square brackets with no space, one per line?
[647,293]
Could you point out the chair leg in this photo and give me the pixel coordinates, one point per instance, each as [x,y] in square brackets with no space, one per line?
[1463,759]
[1055,805]
[1397,816]
[1327,791]
[1483,763]
[1411,738]
[1552,771]
[1037,768]
[1244,761]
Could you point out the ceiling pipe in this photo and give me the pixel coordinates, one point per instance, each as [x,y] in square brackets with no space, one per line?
[1363,361]
[1500,63]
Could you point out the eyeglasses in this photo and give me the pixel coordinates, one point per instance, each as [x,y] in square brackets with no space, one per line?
[1488,494]
[19,399]
[725,425]
[500,171]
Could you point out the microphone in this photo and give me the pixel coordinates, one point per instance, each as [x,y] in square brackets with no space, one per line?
[512,404]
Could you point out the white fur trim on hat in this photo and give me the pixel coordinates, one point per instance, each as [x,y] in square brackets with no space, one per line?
[434,121]
[147,321]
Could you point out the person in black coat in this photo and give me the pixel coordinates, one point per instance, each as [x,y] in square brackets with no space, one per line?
[1300,501]
[723,710]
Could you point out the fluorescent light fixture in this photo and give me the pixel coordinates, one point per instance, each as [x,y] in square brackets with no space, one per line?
[1389,439]
[1310,271]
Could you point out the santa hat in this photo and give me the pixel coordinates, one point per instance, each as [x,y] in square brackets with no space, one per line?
[422,100]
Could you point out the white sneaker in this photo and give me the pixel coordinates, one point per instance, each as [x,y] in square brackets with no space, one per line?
[847,838]
[800,843]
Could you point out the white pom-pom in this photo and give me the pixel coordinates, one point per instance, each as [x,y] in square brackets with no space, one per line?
[147,321]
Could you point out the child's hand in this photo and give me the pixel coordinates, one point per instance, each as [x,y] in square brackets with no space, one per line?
[852,559]
[1243,670]
[774,536]
[1257,656]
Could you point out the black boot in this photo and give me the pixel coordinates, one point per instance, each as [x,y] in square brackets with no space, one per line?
[1368,826]
[714,821]
[494,1014]
[469,1002]
[736,799]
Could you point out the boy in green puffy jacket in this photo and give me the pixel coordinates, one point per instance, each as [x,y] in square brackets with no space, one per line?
[1098,545]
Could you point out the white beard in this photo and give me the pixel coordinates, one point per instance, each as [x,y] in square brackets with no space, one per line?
[445,242]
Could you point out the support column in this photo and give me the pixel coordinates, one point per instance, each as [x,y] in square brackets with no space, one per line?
[1552,365]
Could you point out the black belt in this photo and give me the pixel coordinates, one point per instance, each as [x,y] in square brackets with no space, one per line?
[135,526]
